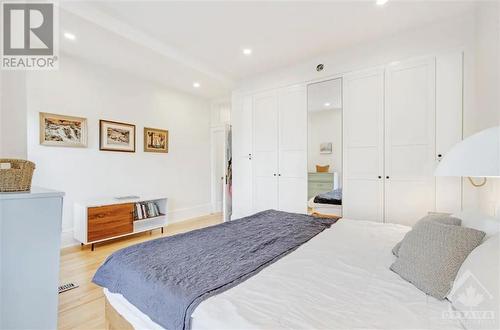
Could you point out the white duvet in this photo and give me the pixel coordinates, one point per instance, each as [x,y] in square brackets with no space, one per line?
[338,280]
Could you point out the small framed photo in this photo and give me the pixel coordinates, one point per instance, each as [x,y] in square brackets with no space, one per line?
[155,140]
[326,148]
[63,131]
[115,136]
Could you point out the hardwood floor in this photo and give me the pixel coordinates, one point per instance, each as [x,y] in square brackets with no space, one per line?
[83,307]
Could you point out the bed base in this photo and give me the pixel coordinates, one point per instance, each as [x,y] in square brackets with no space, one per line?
[114,320]
[327,216]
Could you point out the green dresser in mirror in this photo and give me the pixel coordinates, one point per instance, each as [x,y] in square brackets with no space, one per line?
[319,183]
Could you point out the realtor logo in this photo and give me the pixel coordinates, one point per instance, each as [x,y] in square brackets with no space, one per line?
[472,302]
[28,38]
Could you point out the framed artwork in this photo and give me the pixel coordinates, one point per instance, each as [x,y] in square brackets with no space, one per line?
[115,136]
[63,131]
[155,140]
[326,148]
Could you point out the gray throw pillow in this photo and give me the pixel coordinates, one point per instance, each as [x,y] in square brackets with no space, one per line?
[432,253]
[441,218]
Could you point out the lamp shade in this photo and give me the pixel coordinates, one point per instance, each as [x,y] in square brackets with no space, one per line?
[476,156]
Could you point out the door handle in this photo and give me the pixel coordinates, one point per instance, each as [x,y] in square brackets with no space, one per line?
[380,177]
[387,177]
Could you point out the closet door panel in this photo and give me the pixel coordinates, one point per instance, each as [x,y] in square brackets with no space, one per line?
[241,119]
[449,90]
[363,145]
[265,151]
[265,194]
[410,141]
[292,195]
[293,149]
[293,118]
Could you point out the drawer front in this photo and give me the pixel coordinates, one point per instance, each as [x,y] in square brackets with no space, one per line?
[321,186]
[320,177]
[110,221]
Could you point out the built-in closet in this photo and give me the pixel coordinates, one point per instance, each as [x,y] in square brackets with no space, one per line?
[398,121]
[272,163]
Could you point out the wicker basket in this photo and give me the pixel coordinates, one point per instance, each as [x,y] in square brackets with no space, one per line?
[17,177]
[322,169]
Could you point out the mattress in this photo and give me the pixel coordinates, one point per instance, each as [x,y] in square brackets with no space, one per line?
[339,279]
[327,209]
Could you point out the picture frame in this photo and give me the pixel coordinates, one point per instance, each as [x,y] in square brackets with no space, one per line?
[155,140]
[326,148]
[116,136]
[62,131]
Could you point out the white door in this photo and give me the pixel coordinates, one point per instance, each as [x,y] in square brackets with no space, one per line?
[292,172]
[449,84]
[242,130]
[363,187]
[218,168]
[410,141]
[265,151]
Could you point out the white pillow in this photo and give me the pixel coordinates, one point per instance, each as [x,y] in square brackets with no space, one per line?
[476,220]
[477,285]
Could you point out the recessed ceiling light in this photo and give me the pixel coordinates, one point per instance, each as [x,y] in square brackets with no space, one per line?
[327,104]
[196,84]
[247,51]
[381,2]
[69,36]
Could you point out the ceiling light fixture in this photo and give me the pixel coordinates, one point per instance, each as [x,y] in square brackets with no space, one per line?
[327,104]
[69,36]
[196,84]
[381,2]
[247,51]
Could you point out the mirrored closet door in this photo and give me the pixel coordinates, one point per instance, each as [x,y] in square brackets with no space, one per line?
[324,155]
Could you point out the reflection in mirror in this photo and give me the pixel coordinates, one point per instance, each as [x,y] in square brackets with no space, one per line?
[324,155]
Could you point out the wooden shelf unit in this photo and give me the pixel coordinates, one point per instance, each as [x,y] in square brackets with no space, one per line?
[105,219]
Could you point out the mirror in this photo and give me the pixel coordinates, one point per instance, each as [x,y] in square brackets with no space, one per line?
[324,153]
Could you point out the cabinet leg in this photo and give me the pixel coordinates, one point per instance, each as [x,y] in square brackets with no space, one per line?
[92,247]
[162,230]
[81,244]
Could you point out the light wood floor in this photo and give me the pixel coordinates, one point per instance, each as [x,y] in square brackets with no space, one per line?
[83,307]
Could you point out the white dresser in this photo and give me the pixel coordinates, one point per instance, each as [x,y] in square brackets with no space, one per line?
[30,236]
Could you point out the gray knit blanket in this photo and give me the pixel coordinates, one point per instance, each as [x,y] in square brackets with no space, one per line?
[167,278]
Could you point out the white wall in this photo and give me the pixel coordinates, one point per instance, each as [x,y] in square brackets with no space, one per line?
[476,34]
[13,115]
[324,126]
[95,92]
[487,106]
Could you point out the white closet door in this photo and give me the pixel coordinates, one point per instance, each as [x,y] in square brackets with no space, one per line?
[241,119]
[410,141]
[449,89]
[292,104]
[265,151]
[363,145]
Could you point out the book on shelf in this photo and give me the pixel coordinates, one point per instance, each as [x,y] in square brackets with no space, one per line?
[145,210]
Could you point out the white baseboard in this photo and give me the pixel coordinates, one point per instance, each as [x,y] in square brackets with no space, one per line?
[174,216]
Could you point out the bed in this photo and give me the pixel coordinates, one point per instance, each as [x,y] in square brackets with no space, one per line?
[337,279]
[328,203]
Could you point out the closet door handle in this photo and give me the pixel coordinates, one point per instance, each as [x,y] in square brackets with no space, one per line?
[387,177]
[279,174]
[380,177]
[274,174]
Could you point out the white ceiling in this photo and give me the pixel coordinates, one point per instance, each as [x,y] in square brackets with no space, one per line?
[186,41]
